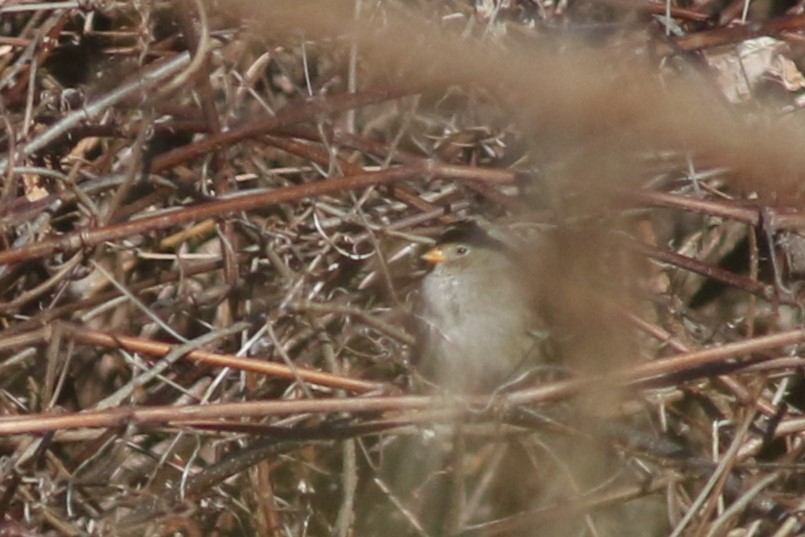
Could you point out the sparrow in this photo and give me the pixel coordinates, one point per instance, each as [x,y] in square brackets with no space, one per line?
[479,327]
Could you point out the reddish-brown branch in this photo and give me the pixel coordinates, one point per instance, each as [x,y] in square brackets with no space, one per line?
[255,365]
[92,237]
[749,285]
[295,112]
[734,34]
[151,416]
[725,209]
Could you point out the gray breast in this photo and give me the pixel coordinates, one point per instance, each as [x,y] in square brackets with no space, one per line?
[478,334]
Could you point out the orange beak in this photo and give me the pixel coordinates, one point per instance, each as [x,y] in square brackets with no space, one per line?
[434,256]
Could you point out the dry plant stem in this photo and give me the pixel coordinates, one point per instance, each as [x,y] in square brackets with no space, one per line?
[288,116]
[369,146]
[44,42]
[659,9]
[134,168]
[440,169]
[363,315]
[566,93]
[246,458]
[52,517]
[733,385]
[295,112]
[409,515]
[754,269]
[229,239]
[409,423]
[785,428]
[150,416]
[791,524]
[199,58]
[8,177]
[723,36]
[15,41]
[266,501]
[741,504]
[401,192]
[456,500]
[167,360]
[722,208]
[31,294]
[567,509]
[283,355]
[141,83]
[162,415]
[787,528]
[749,285]
[658,368]
[92,237]
[349,482]
[153,348]
[732,11]
[720,474]
[349,477]
[45,316]
[242,459]
[13,478]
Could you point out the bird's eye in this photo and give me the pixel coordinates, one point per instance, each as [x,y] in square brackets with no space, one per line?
[461,250]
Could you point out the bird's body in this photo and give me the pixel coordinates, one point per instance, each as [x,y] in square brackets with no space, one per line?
[480,330]
[477,316]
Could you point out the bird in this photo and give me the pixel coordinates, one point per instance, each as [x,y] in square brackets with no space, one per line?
[482,327]
[478,324]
